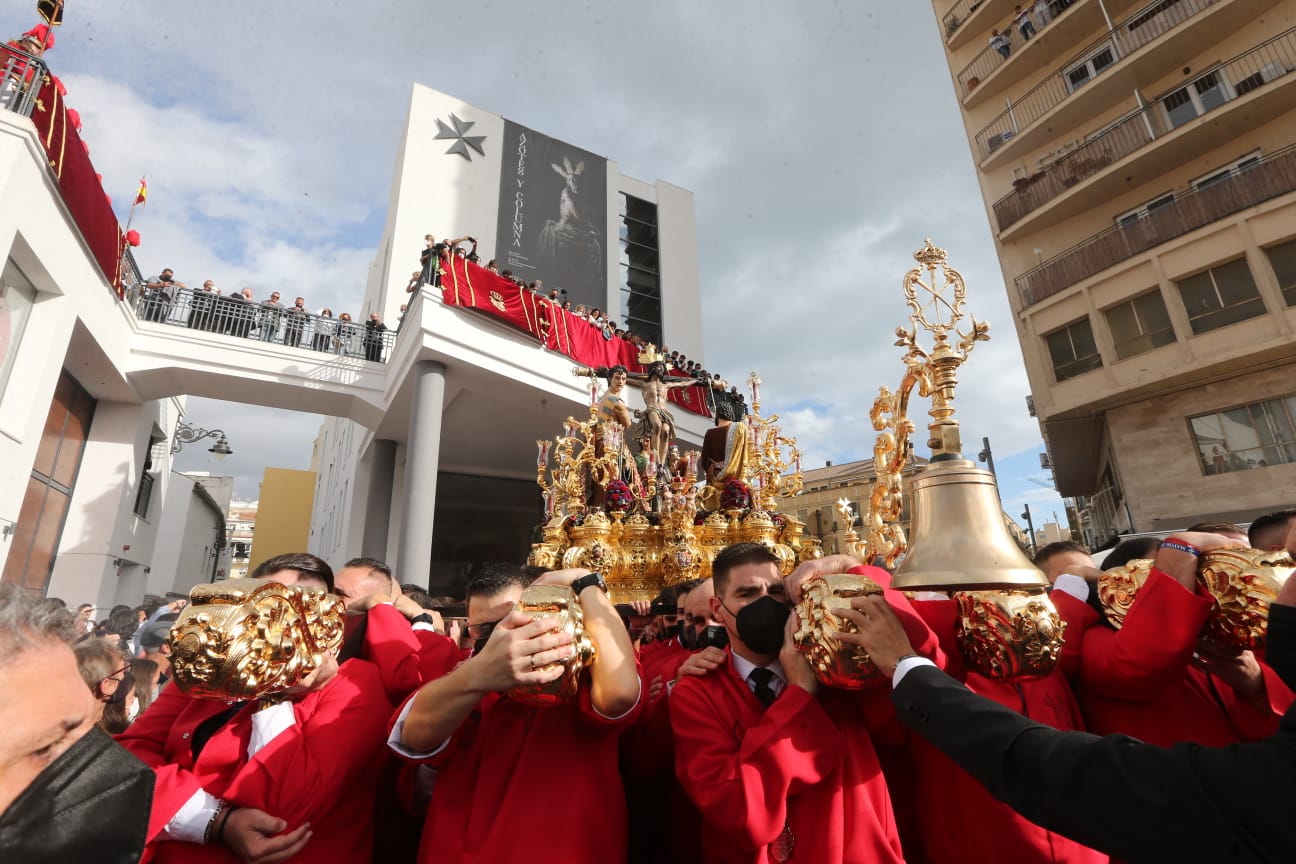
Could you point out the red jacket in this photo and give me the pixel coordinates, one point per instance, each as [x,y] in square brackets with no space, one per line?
[316,771]
[958,821]
[520,783]
[406,658]
[1139,680]
[806,762]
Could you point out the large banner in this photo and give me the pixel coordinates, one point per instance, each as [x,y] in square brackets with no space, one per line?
[553,215]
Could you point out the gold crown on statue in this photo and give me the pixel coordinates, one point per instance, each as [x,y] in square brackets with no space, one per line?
[651,355]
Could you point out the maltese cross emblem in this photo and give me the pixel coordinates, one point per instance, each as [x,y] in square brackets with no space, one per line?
[462,141]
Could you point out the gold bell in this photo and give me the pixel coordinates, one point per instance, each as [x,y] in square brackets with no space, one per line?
[959,541]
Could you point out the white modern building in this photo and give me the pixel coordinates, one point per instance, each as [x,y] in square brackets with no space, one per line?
[428,460]
[467,396]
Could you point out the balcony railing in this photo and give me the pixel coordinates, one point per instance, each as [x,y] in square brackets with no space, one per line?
[1273,176]
[954,18]
[216,313]
[991,58]
[1133,32]
[20,81]
[1218,86]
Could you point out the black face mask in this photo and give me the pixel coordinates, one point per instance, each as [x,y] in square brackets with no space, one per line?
[760,624]
[90,804]
[713,636]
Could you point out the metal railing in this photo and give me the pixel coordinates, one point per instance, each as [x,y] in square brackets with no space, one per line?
[1130,34]
[1209,90]
[991,57]
[222,314]
[20,80]
[1274,175]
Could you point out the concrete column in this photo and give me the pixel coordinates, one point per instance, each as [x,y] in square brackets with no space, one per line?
[382,470]
[422,455]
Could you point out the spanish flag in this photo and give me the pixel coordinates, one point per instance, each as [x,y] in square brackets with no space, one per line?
[142,193]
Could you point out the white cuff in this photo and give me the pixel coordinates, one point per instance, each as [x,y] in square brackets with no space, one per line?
[1076,586]
[191,820]
[903,667]
[423,625]
[268,723]
[398,746]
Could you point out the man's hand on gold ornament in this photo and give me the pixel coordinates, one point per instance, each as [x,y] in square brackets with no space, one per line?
[880,632]
[316,680]
[795,665]
[254,836]
[1182,566]
[519,652]
[701,663]
[826,566]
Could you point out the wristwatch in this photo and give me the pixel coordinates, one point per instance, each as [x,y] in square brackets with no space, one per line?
[586,581]
[423,618]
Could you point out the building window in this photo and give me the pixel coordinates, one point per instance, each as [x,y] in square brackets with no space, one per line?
[1073,350]
[1189,102]
[1237,167]
[640,269]
[1283,260]
[1223,295]
[1082,73]
[1144,209]
[1251,436]
[17,296]
[1140,325]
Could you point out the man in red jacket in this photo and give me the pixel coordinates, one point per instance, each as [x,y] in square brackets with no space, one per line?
[957,820]
[781,769]
[238,781]
[1153,678]
[519,782]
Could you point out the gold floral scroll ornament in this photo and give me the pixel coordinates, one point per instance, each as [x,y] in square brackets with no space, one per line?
[246,639]
[1008,635]
[561,603]
[835,663]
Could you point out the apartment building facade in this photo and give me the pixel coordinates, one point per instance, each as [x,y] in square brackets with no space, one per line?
[1138,164]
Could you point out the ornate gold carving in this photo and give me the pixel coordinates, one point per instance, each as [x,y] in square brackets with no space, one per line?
[836,663]
[1008,634]
[559,602]
[246,638]
[1118,587]
[1243,582]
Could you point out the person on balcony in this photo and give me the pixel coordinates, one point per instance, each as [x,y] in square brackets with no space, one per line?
[1025,26]
[325,327]
[345,330]
[271,313]
[159,294]
[21,74]
[373,338]
[201,304]
[999,42]
[295,323]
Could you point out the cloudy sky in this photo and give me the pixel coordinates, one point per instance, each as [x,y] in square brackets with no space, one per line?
[822,142]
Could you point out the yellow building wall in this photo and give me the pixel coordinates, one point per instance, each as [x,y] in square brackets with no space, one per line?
[283,514]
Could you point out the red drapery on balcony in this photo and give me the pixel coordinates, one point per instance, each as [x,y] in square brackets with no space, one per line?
[470,286]
[82,191]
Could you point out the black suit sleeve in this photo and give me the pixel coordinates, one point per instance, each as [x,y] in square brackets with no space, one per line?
[1116,794]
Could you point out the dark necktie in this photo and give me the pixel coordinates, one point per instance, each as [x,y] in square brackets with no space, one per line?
[761,678]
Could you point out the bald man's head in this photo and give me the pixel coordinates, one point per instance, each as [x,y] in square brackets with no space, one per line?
[697,608]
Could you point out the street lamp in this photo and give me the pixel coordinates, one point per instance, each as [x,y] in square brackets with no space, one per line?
[186,434]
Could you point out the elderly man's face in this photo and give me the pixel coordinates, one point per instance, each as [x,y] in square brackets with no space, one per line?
[46,709]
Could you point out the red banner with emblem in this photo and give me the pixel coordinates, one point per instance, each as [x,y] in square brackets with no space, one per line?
[473,287]
[82,191]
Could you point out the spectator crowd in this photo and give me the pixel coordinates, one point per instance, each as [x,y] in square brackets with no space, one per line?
[698,732]
[167,300]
